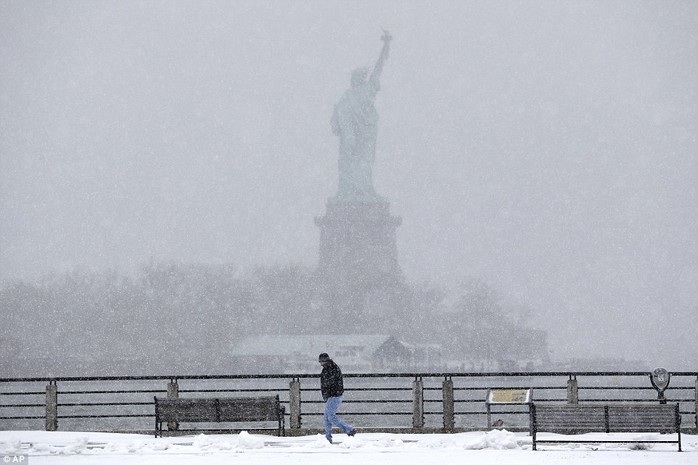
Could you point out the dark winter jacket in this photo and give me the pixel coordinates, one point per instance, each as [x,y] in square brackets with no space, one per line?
[331,383]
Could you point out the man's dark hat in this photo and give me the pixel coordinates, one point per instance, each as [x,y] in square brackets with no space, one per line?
[323,357]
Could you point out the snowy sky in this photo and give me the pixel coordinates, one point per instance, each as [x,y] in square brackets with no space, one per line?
[546,147]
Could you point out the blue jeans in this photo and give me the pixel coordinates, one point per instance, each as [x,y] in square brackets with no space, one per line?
[331,417]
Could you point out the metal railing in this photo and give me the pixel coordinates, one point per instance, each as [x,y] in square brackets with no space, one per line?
[406,402]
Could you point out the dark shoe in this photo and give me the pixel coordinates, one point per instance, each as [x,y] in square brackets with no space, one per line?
[351,433]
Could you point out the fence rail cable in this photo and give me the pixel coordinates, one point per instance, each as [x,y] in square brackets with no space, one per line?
[387,401]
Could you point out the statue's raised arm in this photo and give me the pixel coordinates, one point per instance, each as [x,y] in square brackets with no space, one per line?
[355,121]
[378,69]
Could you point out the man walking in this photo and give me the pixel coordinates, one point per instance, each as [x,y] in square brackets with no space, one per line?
[332,388]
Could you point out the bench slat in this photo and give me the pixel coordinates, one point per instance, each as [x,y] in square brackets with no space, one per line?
[186,410]
[249,409]
[570,418]
[659,418]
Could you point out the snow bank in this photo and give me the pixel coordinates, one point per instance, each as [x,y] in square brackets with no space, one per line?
[496,439]
[492,447]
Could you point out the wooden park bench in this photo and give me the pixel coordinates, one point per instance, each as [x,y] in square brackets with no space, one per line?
[610,418]
[212,410]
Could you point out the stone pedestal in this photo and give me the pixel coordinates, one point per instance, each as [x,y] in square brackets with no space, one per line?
[358,256]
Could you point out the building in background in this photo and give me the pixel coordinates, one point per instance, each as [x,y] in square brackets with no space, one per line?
[354,353]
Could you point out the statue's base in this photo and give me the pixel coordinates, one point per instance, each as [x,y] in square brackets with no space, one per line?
[358,255]
[358,243]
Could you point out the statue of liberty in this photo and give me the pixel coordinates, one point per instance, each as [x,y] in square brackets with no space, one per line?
[355,121]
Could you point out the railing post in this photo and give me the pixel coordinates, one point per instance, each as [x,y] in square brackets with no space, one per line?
[418,403]
[572,390]
[449,410]
[172,393]
[295,404]
[52,406]
[696,391]
[172,389]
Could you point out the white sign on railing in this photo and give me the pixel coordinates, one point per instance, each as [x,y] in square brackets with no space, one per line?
[508,396]
[505,397]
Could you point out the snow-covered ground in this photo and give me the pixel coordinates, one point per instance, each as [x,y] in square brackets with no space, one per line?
[482,448]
